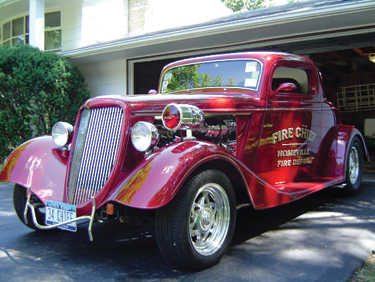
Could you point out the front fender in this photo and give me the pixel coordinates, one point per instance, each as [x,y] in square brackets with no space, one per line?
[157,179]
[37,164]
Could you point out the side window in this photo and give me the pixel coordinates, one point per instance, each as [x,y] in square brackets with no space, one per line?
[295,75]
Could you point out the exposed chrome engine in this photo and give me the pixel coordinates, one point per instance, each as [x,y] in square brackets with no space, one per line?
[220,130]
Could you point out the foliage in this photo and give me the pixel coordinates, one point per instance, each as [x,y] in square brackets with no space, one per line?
[187,77]
[240,5]
[366,273]
[191,76]
[37,89]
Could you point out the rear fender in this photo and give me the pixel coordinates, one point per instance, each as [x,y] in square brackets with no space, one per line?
[37,164]
[157,179]
[336,165]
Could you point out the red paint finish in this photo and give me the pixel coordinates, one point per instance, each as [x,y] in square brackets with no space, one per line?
[280,144]
[40,165]
[156,180]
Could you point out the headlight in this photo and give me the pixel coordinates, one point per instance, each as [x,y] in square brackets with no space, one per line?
[144,135]
[62,133]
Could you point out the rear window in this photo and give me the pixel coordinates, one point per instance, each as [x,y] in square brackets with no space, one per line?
[295,75]
[230,73]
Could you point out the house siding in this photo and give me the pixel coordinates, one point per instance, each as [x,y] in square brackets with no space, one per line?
[106,78]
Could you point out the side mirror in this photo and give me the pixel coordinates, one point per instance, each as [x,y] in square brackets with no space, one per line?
[285,87]
[152,92]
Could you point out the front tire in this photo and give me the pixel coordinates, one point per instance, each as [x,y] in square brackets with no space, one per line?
[354,167]
[195,229]
[19,203]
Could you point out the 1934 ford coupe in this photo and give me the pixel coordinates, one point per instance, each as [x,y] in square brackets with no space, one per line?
[220,131]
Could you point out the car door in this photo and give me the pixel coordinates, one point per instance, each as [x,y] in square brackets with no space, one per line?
[291,131]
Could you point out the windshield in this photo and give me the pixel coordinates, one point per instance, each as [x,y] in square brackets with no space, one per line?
[230,73]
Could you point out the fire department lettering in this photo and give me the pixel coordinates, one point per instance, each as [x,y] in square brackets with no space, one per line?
[289,133]
[293,162]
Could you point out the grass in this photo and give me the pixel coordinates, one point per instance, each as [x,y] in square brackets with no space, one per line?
[366,273]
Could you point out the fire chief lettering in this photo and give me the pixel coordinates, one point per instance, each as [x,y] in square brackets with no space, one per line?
[301,156]
[289,133]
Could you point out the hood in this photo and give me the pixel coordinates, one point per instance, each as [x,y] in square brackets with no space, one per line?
[207,102]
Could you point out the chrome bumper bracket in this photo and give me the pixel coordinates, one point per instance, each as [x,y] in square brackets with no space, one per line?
[89,218]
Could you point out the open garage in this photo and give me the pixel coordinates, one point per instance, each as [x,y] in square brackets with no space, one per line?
[339,36]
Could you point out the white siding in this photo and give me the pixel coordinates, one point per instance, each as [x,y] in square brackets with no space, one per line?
[71,20]
[15,10]
[106,78]
[89,22]
[104,20]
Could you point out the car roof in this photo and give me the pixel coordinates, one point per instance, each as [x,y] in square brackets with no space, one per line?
[262,56]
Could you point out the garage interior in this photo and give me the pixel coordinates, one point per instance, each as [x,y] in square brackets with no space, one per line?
[346,66]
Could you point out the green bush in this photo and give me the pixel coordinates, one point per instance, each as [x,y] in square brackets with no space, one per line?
[37,89]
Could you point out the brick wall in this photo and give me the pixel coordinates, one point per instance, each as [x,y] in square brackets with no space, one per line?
[137,14]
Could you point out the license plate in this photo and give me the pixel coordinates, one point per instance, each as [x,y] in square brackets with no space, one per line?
[59,213]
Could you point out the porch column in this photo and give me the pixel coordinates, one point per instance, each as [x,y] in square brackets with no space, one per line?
[36,23]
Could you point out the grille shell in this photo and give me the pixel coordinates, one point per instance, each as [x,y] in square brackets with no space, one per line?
[95,151]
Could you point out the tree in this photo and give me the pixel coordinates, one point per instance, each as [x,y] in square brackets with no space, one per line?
[238,5]
[37,89]
[188,77]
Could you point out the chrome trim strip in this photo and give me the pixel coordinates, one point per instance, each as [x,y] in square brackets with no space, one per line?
[206,113]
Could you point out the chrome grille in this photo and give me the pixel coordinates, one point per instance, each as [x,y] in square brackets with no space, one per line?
[95,151]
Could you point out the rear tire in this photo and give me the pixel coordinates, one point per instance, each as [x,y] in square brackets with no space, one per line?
[354,167]
[195,229]
[19,202]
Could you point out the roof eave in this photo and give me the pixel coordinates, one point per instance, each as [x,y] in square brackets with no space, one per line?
[252,20]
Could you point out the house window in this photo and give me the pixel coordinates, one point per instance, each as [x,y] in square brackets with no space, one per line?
[52,31]
[17,31]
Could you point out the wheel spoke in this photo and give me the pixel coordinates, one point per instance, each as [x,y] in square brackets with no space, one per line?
[204,199]
[194,214]
[196,234]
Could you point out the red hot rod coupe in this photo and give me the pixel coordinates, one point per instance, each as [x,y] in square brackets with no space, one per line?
[221,131]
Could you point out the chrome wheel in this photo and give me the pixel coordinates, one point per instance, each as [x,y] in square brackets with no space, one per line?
[195,229]
[353,165]
[209,219]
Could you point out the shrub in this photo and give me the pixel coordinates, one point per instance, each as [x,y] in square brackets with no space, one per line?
[37,89]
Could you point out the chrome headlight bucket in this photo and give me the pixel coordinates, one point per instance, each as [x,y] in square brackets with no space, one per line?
[182,116]
[144,135]
[62,133]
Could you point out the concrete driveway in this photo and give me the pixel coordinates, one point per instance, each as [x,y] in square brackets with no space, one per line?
[320,238]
